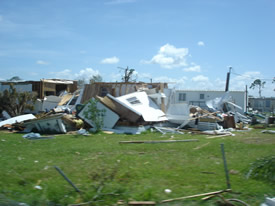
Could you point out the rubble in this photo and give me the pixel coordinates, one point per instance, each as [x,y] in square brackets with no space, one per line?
[109,117]
[137,110]
[17,119]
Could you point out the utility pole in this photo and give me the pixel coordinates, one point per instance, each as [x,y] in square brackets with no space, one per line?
[246,98]
[227,80]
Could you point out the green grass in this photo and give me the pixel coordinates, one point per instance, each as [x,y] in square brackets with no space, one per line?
[106,171]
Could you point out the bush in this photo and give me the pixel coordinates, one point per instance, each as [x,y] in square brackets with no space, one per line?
[263,169]
[95,115]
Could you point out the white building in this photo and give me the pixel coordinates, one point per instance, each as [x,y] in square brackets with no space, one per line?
[199,98]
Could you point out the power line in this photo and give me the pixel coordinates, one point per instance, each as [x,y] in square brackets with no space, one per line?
[250,77]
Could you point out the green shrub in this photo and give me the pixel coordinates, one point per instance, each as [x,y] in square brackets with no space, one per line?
[263,169]
[95,115]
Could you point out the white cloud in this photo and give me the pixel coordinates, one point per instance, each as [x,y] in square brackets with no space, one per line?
[170,57]
[86,74]
[144,76]
[114,2]
[41,62]
[65,74]
[201,43]
[172,82]
[115,77]
[111,60]
[200,78]
[193,68]
[33,74]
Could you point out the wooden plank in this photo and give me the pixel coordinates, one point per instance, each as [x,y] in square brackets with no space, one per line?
[157,141]
[223,135]
[141,203]
[198,195]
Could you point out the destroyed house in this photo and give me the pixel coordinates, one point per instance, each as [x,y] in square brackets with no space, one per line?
[200,97]
[44,87]
[117,89]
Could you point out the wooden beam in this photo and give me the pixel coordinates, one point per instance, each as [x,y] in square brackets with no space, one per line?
[157,141]
[198,195]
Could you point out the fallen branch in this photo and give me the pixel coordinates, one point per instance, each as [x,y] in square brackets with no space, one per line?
[236,200]
[157,141]
[198,195]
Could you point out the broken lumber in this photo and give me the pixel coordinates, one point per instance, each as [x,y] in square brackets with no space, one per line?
[201,146]
[223,135]
[205,115]
[156,141]
[198,195]
[141,203]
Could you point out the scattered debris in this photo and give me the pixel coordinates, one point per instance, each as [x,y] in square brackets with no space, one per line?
[51,124]
[83,132]
[167,191]
[120,129]
[35,136]
[129,108]
[269,131]
[38,187]
[165,130]
[17,119]
[269,202]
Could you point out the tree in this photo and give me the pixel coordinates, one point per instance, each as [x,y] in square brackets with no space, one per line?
[14,79]
[15,103]
[95,114]
[258,84]
[128,75]
[95,78]
[81,83]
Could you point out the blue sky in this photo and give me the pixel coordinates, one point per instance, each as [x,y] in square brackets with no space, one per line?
[189,43]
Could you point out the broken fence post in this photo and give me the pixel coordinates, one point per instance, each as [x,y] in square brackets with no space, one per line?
[67,179]
[225,167]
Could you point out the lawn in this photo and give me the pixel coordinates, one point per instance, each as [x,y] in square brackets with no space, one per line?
[106,171]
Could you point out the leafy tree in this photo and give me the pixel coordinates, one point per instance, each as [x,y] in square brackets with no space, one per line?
[96,78]
[14,79]
[128,75]
[80,83]
[15,103]
[258,84]
[95,114]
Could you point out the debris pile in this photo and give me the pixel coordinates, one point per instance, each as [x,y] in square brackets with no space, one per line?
[131,113]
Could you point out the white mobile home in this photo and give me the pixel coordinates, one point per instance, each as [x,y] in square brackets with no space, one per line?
[199,97]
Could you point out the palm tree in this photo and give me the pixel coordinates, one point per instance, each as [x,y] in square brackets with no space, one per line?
[257,83]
